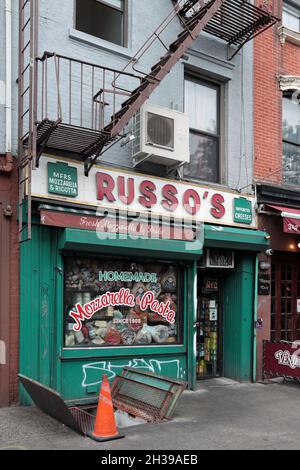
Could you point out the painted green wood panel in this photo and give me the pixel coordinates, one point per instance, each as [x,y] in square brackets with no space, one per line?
[238,320]
[191,299]
[37,306]
[81,379]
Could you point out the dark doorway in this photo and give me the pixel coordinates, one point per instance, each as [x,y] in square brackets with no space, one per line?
[209,326]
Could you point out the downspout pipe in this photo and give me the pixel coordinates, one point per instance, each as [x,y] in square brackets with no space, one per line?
[7,166]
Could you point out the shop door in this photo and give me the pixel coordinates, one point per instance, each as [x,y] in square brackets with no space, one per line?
[225,327]
[285,307]
[209,328]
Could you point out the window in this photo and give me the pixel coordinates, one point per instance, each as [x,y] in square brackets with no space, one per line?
[120,303]
[202,105]
[291,16]
[291,140]
[285,318]
[105,19]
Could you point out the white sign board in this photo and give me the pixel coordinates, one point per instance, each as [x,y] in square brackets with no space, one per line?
[128,191]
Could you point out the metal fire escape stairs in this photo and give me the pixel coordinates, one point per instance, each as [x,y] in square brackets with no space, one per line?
[28,21]
[233,21]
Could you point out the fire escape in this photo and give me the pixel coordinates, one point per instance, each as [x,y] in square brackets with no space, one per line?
[72,107]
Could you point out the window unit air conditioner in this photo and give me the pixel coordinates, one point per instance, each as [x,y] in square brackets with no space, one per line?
[161,136]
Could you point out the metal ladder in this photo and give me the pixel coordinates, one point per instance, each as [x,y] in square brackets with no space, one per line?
[28,32]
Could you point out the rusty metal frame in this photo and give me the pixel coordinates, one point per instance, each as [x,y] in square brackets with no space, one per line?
[50,402]
[139,407]
[28,25]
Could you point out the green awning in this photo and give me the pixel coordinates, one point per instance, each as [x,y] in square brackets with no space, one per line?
[235,238]
[84,240]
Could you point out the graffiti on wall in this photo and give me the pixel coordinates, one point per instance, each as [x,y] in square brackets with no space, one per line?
[92,373]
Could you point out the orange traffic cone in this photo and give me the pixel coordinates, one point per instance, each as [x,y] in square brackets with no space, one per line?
[105,428]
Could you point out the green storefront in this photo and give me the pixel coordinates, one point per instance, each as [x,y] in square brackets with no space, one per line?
[92,304]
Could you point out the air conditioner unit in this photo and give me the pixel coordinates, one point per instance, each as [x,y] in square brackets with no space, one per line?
[161,136]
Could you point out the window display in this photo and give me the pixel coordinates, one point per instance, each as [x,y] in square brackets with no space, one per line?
[119,303]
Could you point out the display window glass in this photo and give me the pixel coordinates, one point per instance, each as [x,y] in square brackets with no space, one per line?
[120,303]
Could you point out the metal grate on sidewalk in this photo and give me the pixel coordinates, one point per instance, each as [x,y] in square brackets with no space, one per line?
[140,399]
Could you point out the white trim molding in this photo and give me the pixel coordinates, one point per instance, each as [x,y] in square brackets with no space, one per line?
[286,34]
[289,82]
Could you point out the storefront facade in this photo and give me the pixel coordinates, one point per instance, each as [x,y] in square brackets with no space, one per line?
[279,215]
[125,269]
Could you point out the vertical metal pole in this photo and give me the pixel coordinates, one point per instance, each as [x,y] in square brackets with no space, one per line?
[21,110]
[35,79]
[81,91]
[70,92]
[31,74]
[93,92]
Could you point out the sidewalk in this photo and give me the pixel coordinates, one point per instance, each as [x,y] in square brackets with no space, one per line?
[220,415]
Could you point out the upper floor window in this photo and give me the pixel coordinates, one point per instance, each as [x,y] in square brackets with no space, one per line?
[105,19]
[202,103]
[291,16]
[291,139]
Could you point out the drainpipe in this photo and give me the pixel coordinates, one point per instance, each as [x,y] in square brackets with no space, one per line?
[7,166]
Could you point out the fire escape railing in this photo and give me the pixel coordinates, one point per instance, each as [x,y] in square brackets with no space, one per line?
[76,100]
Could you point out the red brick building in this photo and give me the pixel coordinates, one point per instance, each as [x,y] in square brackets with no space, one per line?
[9,282]
[277,172]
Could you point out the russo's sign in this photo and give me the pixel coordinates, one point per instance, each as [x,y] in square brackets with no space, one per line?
[132,192]
[282,359]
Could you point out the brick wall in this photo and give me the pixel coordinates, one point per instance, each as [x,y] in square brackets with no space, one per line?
[14,293]
[271,59]
[9,195]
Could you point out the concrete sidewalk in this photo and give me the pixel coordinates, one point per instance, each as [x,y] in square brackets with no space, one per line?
[221,415]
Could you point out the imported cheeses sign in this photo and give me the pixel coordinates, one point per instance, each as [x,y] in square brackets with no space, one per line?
[134,192]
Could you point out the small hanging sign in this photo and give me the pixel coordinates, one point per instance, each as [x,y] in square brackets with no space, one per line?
[264,284]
